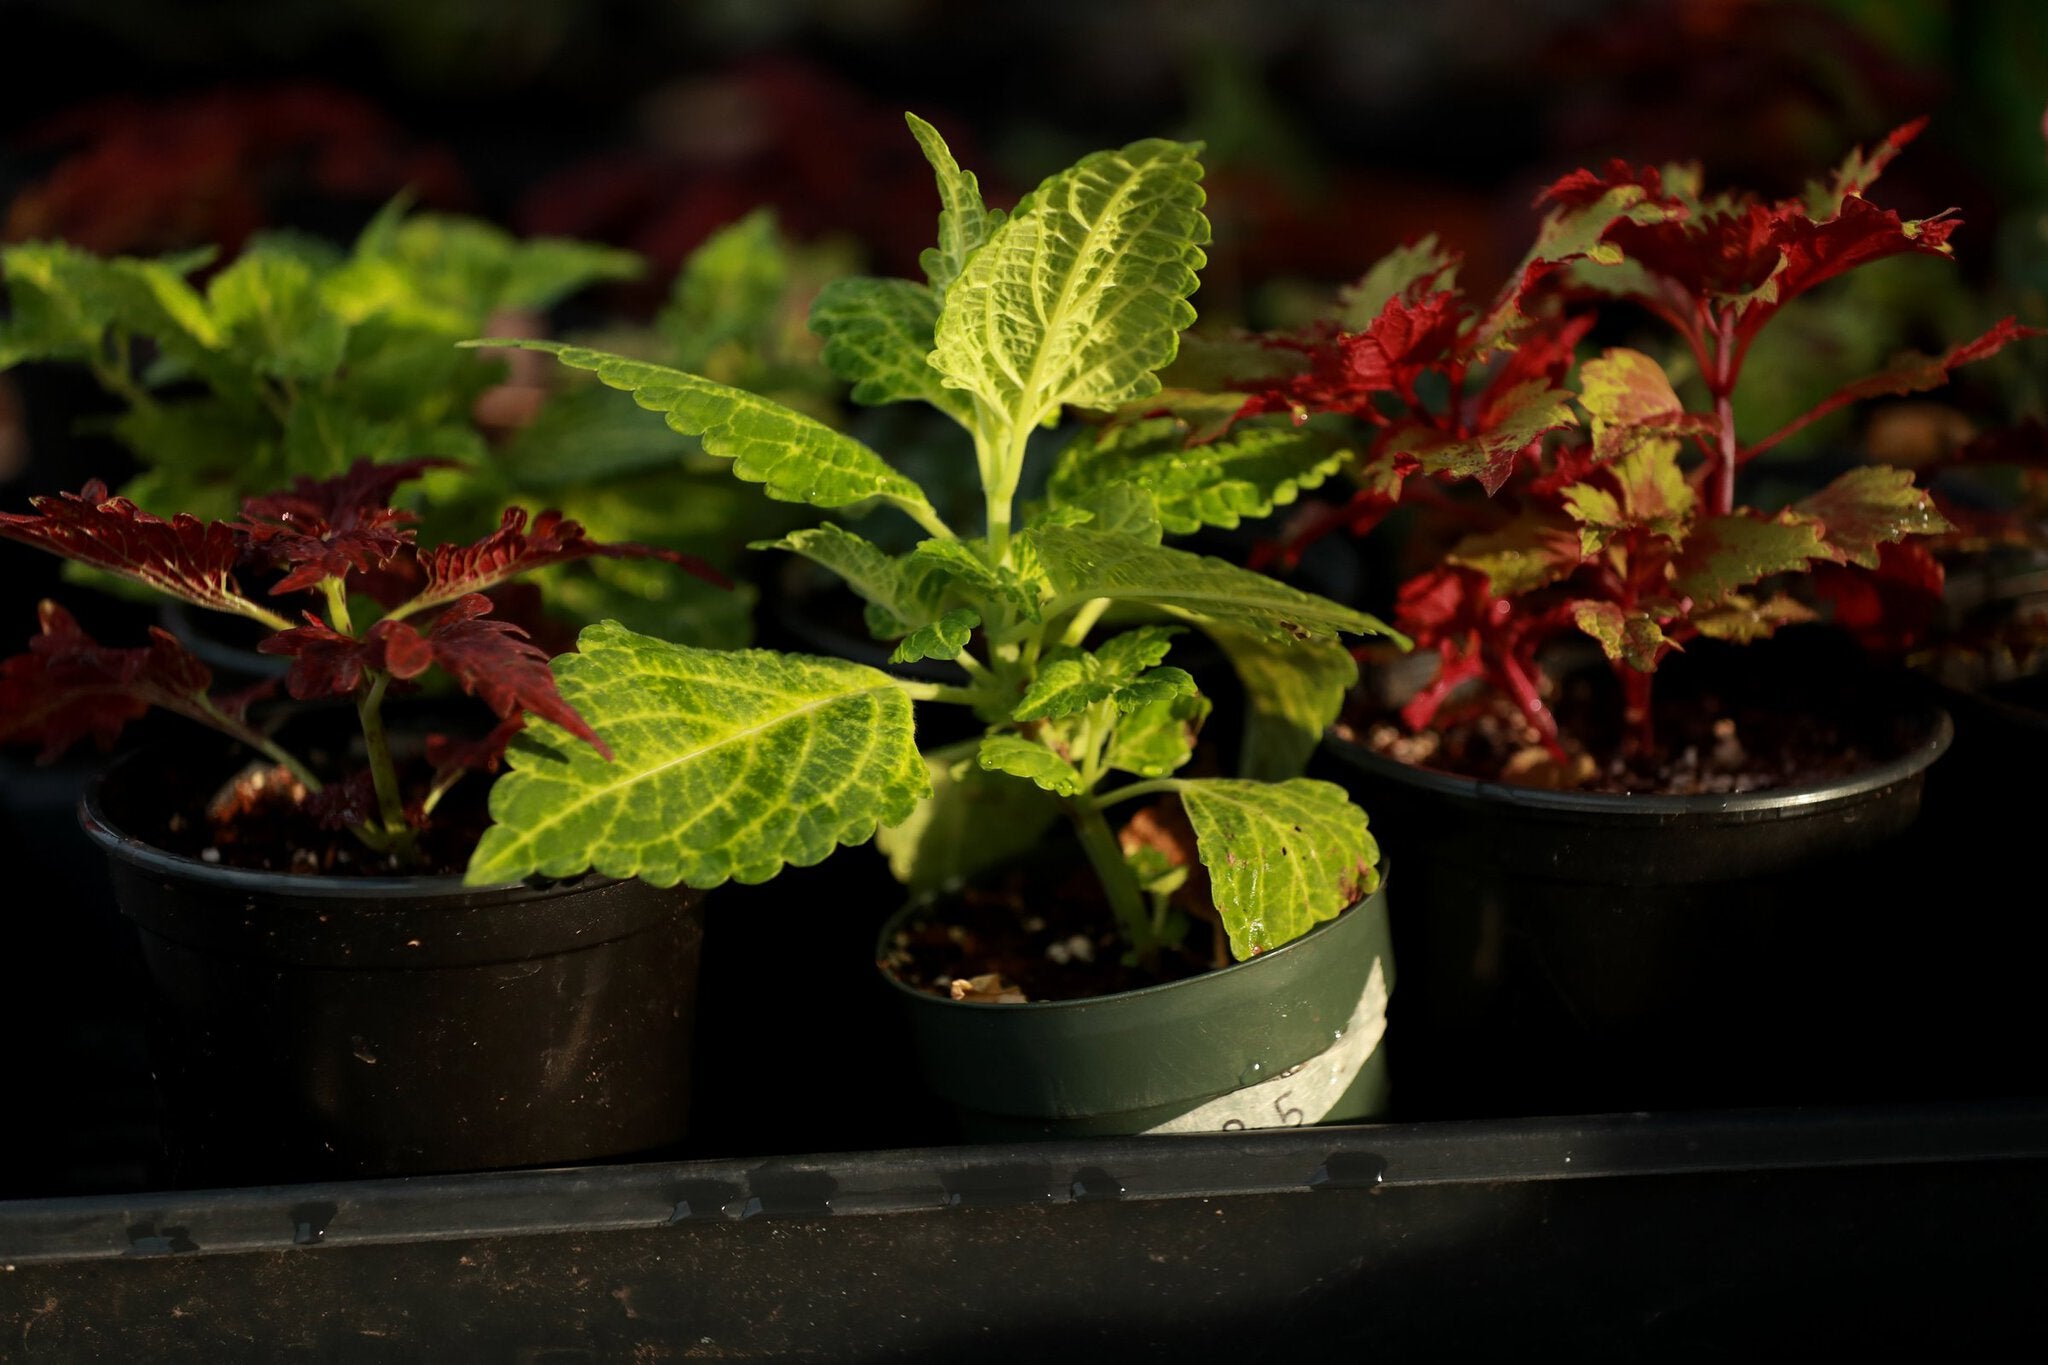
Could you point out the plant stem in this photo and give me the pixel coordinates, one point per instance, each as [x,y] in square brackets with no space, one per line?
[1126,898]
[1084,621]
[1157,787]
[390,802]
[337,605]
[917,691]
[924,516]
[243,733]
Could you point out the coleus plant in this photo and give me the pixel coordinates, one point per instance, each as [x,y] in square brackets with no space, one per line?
[343,544]
[1073,300]
[294,359]
[1627,527]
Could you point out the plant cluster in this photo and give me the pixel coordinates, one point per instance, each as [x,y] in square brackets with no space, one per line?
[1614,512]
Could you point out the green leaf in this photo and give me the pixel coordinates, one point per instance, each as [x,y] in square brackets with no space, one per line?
[1293,689]
[1282,856]
[1743,619]
[904,601]
[1081,564]
[798,458]
[1021,757]
[965,222]
[1072,680]
[941,639]
[937,566]
[1114,509]
[878,337]
[728,765]
[1246,474]
[1158,738]
[729,289]
[1725,553]
[1868,507]
[972,821]
[269,309]
[1083,293]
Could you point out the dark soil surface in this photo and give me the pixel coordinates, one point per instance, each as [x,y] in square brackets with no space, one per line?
[199,805]
[1039,936]
[1729,721]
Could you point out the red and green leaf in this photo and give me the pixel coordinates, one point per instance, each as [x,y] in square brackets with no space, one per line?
[454,571]
[183,557]
[1725,553]
[1868,508]
[1631,637]
[1629,400]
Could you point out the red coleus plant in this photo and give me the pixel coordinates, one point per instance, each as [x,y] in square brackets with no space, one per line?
[1617,516]
[341,542]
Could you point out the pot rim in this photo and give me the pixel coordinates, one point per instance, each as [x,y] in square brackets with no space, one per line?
[1938,732]
[909,908]
[116,842]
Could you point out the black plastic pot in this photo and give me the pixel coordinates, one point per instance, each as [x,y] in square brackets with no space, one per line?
[310,1027]
[1569,952]
[1290,1037]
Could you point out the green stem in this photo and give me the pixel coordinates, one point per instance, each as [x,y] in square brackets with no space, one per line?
[917,691]
[1126,897]
[1159,787]
[926,516]
[1084,621]
[255,739]
[390,801]
[337,605]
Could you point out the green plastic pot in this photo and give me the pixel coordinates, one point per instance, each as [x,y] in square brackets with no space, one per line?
[1288,1038]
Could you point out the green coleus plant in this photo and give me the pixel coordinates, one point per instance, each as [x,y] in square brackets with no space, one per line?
[730,764]
[297,358]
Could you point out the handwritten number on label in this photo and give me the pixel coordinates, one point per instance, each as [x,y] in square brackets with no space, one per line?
[1289,1118]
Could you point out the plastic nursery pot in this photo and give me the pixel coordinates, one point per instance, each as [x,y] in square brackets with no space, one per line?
[1290,1037]
[313,1026]
[1572,952]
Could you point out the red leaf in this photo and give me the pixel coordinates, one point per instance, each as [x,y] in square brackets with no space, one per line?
[495,662]
[1859,234]
[68,686]
[325,663]
[453,571]
[1584,188]
[1893,610]
[344,804]
[451,756]
[1728,253]
[329,528]
[184,557]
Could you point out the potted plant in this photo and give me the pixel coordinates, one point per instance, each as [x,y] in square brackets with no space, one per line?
[1073,299]
[1621,879]
[349,982]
